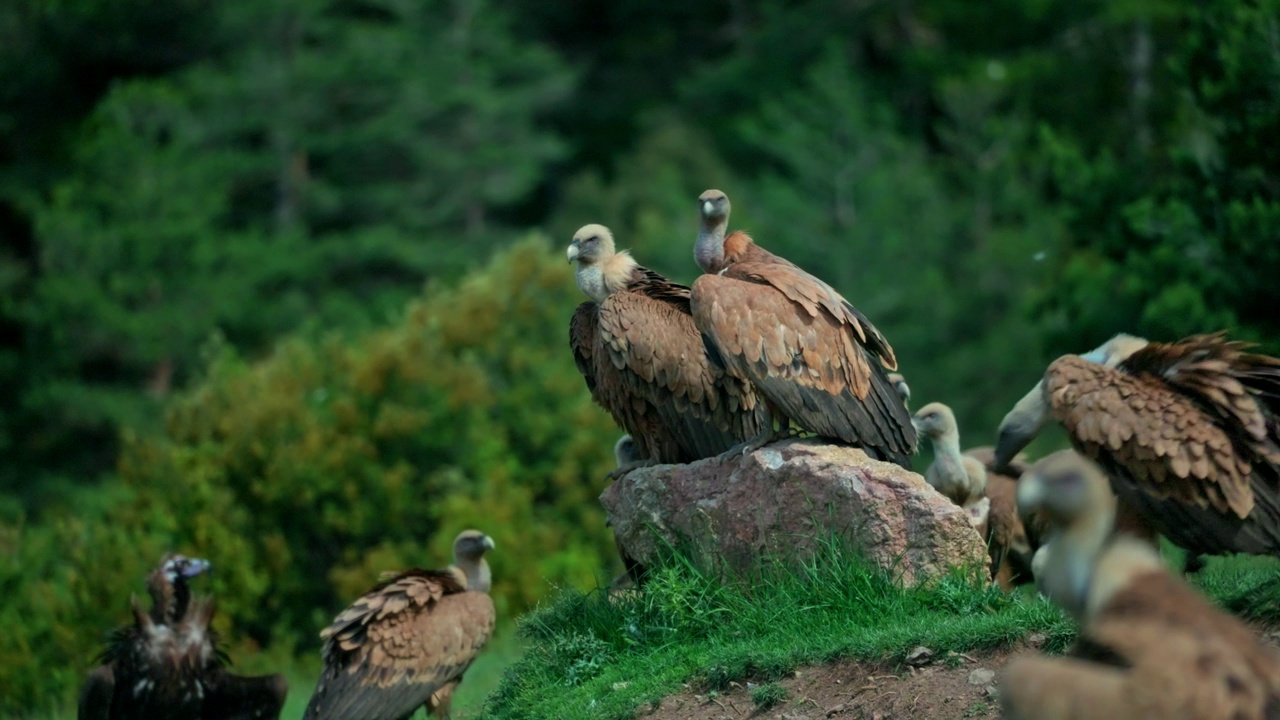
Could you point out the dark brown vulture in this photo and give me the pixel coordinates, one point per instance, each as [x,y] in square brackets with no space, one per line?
[1150,646]
[1187,432]
[644,361]
[989,497]
[813,358]
[167,665]
[406,643]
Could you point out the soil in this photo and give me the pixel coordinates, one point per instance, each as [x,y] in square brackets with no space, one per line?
[945,688]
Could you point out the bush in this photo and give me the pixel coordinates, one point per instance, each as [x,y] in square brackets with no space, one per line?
[302,476]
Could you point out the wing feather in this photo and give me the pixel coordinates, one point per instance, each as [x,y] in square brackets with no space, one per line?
[398,644]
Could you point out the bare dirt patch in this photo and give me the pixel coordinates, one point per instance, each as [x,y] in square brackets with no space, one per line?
[940,688]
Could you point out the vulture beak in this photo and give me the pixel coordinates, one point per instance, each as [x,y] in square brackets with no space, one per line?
[1021,426]
[487,543]
[574,251]
[196,566]
[708,208]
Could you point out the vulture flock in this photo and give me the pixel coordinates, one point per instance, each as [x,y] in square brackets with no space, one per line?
[1176,439]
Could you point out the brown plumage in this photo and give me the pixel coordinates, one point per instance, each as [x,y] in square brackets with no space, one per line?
[811,356]
[407,642]
[1150,646]
[644,361]
[1187,431]
[167,665]
[988,496]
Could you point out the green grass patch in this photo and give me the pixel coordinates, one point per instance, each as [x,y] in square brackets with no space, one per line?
[597,655]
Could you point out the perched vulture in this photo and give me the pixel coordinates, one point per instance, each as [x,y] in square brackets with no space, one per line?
[167,665]
[1150,646]
[900,385]
[1187,432]
[989,497]
[643,360]
[814,359]
[406,643]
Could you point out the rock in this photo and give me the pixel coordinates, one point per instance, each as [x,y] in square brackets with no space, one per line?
[920,655]
[982,676]
[778,499]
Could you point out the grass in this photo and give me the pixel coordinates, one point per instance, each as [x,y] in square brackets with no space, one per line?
[609,656]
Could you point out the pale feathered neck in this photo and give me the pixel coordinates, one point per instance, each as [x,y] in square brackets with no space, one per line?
[601,279]
[476,572]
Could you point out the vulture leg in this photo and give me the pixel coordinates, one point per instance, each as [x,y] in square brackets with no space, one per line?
[1194,563]
[235,697]
[768,434]
[621,470]
[95,698]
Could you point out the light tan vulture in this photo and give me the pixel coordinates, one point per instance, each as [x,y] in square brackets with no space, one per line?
[813,358]
[406,643]
[644,361]
[987,496]
[1187,432]
[1150,646]
[900,385]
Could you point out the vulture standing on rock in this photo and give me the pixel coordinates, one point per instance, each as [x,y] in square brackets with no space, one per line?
[1187,431]
[643,360]
[989,497]
[407,642]
[167,665]
[812,356]
[1150,646]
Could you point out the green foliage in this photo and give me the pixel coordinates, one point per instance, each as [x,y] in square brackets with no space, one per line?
[768,695]
[303,476]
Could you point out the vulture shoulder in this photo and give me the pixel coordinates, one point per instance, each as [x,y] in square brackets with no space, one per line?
[1154,648]
[807,349]
[400,643]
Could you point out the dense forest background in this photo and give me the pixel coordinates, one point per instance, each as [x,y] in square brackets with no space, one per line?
[282,284]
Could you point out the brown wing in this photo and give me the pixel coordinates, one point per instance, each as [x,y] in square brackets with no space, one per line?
[650,340]
[806,350]
[1172,462]
[614,393]
[386,654]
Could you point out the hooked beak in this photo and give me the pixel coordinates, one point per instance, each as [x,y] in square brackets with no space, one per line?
[574,251]
[488,543]
[708,207]
[196,566]
[1021,426]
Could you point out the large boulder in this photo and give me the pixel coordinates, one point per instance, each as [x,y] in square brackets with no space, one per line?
[781,498]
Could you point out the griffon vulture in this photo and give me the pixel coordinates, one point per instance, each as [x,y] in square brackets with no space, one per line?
[813,358]
[406,643]
[988,496]
[1187,432]
[643,360]
[1150,646]
[901,386]
[167,665]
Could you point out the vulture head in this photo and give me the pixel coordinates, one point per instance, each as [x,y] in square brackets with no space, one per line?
[1073,497]
[935,421]
[602,270]
[1116,350]
[903,390]
[180,567]
[167,585]
[708,251]
[625,451]
[468,556]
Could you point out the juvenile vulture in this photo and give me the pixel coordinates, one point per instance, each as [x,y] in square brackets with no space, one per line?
[167,664]
[643,360]
[406,643]
[1187,432]
[900,385]
[814,359]
[989,497]
[1150,646]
